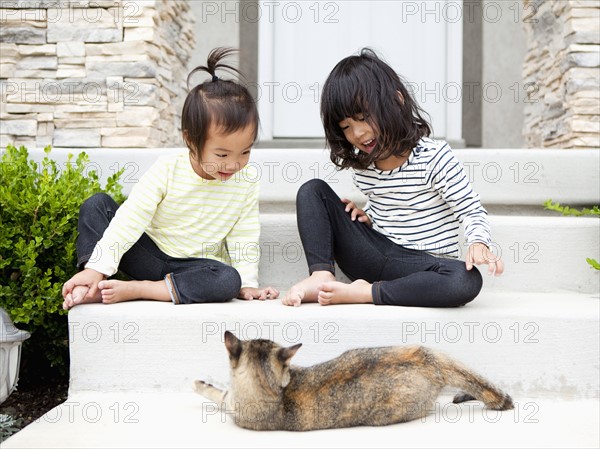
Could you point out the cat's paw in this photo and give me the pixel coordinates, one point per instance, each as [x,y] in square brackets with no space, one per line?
[200,386]
[462,397]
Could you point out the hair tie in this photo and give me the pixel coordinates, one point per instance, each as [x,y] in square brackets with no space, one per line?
[215,78]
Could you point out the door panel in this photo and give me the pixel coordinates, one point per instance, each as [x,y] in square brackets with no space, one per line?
[309,38]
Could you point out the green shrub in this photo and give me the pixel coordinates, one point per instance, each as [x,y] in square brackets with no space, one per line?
[566,210]
[39,208]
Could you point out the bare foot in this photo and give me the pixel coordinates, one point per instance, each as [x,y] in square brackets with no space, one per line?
[307,289]
[114,291]
[358,292]
[78,296]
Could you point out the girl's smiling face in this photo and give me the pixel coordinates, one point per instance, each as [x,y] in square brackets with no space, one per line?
[224,154]
[359,133]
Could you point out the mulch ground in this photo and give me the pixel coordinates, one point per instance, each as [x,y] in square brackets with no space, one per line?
[31,401]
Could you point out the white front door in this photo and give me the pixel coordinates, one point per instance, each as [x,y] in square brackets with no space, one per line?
[300,42]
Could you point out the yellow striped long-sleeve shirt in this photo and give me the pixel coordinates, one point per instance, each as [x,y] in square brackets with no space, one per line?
[187,216]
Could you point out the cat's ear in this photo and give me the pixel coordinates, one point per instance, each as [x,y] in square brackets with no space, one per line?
[285,354]
[233,345]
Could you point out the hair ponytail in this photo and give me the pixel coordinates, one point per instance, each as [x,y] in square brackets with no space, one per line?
[214,63]
[216,101]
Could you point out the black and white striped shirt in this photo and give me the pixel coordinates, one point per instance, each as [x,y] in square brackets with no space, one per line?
[421,204]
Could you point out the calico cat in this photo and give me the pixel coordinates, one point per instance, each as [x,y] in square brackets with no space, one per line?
[361,387]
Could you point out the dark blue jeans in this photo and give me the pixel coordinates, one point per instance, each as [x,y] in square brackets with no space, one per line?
[189,280]
[400,276]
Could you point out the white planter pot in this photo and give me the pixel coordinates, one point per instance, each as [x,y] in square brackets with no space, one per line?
[11,340]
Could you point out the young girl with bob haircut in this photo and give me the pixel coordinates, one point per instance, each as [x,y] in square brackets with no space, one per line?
[402,248]
[189,230]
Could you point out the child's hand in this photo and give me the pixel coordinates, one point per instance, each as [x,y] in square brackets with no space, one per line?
[479,254]
[83,286]
[293,297]
[250,293]
[355,212]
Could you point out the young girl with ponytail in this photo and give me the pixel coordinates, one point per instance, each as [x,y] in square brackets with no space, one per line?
[189,230]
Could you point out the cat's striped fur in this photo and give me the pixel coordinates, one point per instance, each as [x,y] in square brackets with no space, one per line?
[369,386]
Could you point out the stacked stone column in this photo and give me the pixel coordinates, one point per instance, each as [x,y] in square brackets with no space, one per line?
[93,73]
[562,73]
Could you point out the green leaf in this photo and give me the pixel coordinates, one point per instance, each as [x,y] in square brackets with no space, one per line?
[593,263]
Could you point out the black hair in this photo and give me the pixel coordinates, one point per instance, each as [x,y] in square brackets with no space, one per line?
[365,85]
[224,103]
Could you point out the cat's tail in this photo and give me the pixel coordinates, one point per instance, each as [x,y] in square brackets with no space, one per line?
[472,385]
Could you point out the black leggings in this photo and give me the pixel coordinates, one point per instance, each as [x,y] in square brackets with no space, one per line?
[400,276]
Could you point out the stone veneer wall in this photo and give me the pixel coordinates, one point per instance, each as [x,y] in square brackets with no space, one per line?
[93,73]
[562,68]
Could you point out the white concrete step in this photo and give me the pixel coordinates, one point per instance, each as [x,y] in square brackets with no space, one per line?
[541,254]
[134,420]
[500,176]
[532,345]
